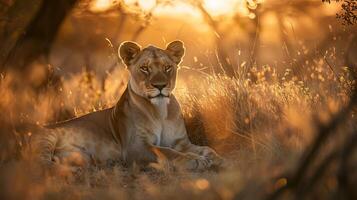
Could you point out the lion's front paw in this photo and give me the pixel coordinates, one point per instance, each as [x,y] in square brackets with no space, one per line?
[192,161]
[212,156]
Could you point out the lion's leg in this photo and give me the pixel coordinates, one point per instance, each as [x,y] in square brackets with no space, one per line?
[182,161]
[42,148]
[183,144]
[46,153]
[211,155]
[144,154]
[215,159]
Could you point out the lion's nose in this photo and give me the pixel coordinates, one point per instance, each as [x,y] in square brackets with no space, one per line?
[159,86]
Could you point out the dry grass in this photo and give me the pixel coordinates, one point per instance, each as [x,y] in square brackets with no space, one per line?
[260,122]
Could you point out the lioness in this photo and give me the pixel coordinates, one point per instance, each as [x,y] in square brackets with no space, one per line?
[144,125]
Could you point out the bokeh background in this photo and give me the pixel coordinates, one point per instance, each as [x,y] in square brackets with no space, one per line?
[269,84]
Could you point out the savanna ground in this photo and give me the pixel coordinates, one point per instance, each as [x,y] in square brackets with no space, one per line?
[286,127]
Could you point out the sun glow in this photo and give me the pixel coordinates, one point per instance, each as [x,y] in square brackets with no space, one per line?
[144,5]
[147,4]
[102,5]
[216,8]
[222,7]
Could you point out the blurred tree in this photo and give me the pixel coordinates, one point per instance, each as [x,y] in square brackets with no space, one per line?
[27,31]
[348,11]
[348,15]
[250,23]
[221,53]
[282,11]
[25,42]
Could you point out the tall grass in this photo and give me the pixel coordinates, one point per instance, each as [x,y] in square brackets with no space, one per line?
[260,122]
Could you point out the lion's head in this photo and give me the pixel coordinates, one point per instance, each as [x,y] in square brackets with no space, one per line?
[153,70]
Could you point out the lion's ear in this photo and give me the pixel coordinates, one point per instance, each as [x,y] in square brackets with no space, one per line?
[176,50]
[127,51]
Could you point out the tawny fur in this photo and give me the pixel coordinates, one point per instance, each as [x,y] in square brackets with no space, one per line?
[145,124]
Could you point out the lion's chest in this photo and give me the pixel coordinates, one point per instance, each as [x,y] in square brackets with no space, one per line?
[164,133]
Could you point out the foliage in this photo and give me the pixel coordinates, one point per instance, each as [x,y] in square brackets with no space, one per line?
[348,11]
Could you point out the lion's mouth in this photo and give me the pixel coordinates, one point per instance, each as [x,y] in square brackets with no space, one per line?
[159,96]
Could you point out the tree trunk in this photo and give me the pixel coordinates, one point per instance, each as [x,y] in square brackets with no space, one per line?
[351,59]
[37,36]
[26,33]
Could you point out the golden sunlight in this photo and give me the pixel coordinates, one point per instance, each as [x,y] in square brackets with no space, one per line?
[222,7]
[147,4]
[231,7]
[180,99]
[102,5]
[144,5]
[214,7]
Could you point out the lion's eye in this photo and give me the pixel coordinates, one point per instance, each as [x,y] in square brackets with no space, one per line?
[168,68]
[144,69]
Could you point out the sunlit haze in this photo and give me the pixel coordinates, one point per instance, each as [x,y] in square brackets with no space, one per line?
[214,7]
